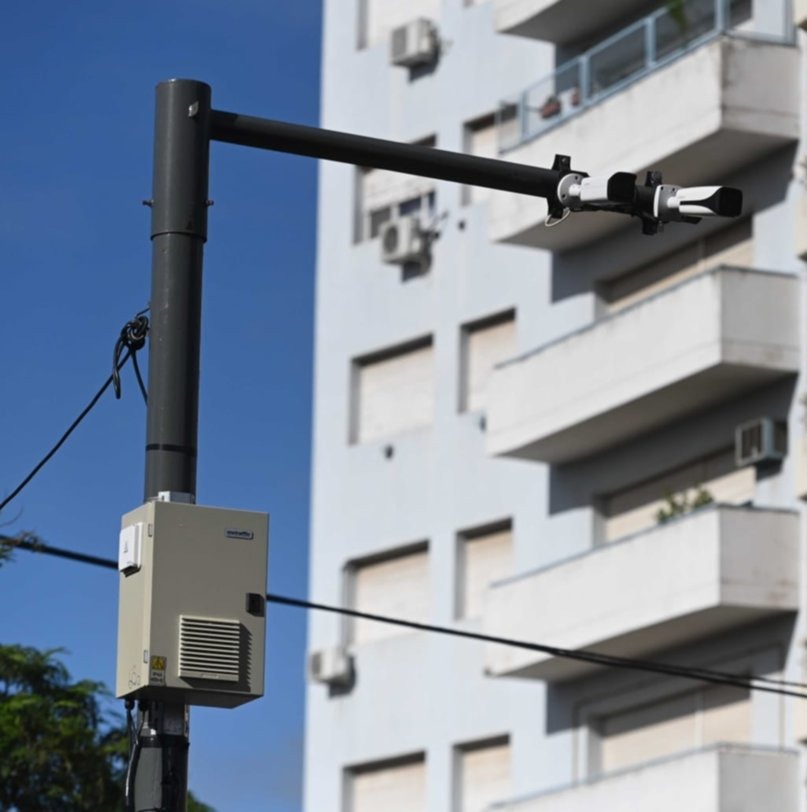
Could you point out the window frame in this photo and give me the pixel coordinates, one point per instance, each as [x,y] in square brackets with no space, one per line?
[636,690]
[492,320]
[351,771]
[461,749]
[355,383]
[349,574]
[462,538]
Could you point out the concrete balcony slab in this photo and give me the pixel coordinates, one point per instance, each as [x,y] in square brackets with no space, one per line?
[715,569]
[695,344]
[560,21]
[723,778]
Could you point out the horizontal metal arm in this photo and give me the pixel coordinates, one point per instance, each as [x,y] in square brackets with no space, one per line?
[412,159]
[563,188]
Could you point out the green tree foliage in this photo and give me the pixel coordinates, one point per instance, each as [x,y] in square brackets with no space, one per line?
[677,10]
[57,751]
[197,806]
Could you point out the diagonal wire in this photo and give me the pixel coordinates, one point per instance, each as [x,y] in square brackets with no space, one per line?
[754,683]
[61,441]
[132,338]
[582,655]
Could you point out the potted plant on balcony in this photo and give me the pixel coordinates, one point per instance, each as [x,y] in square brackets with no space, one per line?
[677,10]
[681,504]
[551,107]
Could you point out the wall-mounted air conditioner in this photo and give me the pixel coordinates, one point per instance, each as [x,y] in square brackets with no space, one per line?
[332,666]
[413,44]
[403,240]
[760,441]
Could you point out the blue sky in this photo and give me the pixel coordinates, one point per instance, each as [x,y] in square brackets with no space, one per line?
[77,88]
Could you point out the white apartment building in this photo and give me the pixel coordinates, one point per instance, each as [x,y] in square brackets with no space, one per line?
[533,431]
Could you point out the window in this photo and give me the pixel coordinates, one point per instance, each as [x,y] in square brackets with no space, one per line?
[383,195]
[484,556]
[377,18]
[636,508]
[391,787]
[731,246]
[484,775]
[393,392]
[481,138]
[485,344]
[683,722]
[397,585]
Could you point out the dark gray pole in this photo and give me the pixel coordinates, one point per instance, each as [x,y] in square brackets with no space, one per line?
[178,233]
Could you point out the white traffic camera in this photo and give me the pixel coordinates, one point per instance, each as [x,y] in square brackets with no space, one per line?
[679,202]
[655,203]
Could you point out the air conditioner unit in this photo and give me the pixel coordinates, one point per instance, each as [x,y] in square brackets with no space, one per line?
[403,240]
[760,441]
[414,44]
[332,666]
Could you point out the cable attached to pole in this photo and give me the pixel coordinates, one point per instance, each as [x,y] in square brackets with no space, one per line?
[132,338]
[134,756]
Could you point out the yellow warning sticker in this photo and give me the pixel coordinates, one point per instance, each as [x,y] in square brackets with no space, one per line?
[157,666]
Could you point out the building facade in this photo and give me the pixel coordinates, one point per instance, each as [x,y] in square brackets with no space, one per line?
[577,435]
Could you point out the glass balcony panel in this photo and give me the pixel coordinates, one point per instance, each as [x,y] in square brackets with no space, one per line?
[508,124]
[552,100]
[681,24]
[620,59]
[628,55]
[740,11]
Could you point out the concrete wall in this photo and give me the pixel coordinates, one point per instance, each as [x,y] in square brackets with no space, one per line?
[412,693]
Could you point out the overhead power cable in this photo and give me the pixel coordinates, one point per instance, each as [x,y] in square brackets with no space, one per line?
[751,682]
[582,655]
[32,543]
[132,339]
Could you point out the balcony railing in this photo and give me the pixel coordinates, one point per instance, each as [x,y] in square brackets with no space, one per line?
[639,49]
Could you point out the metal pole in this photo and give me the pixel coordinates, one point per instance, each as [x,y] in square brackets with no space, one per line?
[178,233]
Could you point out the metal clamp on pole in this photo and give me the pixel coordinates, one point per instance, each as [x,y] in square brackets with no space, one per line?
[579,192]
